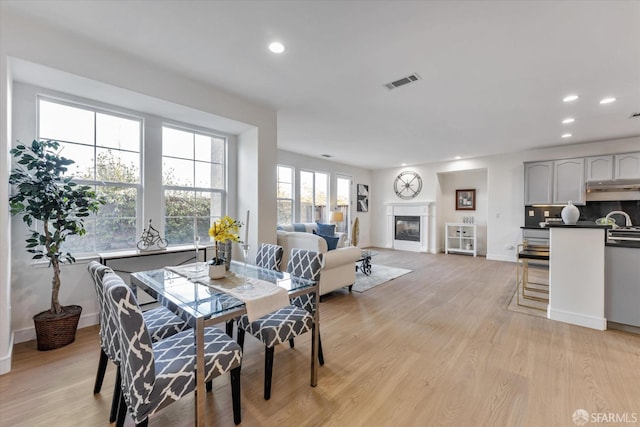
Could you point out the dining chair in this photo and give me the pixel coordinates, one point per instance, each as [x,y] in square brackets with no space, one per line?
[269,256]
[160,321]
[288,322]
[156,374]
[307,265]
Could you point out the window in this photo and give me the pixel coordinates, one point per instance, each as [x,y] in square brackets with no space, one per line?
[193,179]
[343,202]
[313,196]
[106,149]
[285,195]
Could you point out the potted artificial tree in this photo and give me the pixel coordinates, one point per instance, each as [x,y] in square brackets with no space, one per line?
[54,208]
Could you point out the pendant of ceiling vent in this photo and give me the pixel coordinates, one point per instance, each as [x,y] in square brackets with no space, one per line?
[403,81]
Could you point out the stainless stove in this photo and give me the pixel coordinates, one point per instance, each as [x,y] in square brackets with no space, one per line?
[631,232]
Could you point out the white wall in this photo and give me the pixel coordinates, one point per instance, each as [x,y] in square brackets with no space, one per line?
[359,176]
[26,42]
[505,190]
[6,337]
[446,206]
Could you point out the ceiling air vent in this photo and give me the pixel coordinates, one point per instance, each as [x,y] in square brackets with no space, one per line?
[634,115]
[328,156]
[403,81]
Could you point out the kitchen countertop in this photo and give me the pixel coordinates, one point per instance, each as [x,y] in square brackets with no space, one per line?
[580,224]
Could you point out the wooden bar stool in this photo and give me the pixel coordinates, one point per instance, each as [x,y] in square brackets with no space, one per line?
[527,289]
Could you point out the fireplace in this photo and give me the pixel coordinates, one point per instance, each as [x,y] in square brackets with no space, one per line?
[407,228]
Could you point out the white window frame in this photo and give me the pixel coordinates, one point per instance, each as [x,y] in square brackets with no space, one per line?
[291,200]
[95,182]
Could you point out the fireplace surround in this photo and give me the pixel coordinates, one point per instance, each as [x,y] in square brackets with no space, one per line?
[408,226]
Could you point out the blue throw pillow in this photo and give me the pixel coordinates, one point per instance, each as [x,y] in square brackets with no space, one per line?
[332,242]
[326,229]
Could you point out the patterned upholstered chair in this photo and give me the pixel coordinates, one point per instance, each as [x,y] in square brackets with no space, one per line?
[269,256]
[286,323]
[160,322]
[307,265]
[155,374]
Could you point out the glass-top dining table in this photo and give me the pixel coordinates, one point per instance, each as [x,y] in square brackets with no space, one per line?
[201,305]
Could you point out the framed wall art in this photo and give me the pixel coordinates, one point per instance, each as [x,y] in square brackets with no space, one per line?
[363,198]
[466,200]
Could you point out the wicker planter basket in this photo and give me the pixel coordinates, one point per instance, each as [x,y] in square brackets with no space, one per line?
[57,331]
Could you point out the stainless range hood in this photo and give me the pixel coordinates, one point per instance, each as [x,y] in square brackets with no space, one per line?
[614,185]
[618,189]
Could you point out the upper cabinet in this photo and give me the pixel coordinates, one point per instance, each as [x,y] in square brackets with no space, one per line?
[618,166]
[554,182]
[568,181]
[538,183]
[600,168]
[627,166]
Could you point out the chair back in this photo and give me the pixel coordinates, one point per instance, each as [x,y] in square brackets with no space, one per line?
[137,365]
[109,340]
[306,264]
[269,256]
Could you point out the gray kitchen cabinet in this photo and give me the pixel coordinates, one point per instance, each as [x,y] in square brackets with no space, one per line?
[538,237]
[538,183]
[627,166]
[600,168]
[568,181]
[622,285]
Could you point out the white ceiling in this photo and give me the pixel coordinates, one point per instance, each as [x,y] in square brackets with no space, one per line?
[493,72]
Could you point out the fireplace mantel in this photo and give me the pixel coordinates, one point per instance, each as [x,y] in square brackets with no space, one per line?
[418,209]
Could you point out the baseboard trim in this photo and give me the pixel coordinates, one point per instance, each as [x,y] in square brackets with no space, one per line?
[29,334]
[5,362]
[593,322]
[496,257]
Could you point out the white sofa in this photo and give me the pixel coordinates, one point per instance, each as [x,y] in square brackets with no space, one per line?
[339,268]
[310,227]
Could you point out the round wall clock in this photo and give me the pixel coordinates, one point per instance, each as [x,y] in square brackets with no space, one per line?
[408,185]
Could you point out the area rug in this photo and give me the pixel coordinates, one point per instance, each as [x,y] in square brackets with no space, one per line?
[379,274]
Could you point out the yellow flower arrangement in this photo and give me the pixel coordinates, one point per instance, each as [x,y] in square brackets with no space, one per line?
[223,229]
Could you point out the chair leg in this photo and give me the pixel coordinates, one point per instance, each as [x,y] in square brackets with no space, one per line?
[229,327]
[122,411]
[144,423]
[240,338]
[209,385]
[320,354]
[292,344]
[117,397]
[268,370]
[102,367]
[235,395]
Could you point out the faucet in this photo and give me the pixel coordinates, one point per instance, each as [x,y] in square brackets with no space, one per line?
[626,216]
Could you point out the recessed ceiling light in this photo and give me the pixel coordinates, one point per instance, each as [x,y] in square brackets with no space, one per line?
[570,98]
[566,135]
[404,164]
[276,47]
[608,100]
[568,120]
[457,157]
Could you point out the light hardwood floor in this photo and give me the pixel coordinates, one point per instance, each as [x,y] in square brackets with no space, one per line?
[435,347]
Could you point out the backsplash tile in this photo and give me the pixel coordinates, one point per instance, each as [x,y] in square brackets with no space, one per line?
[590,212]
